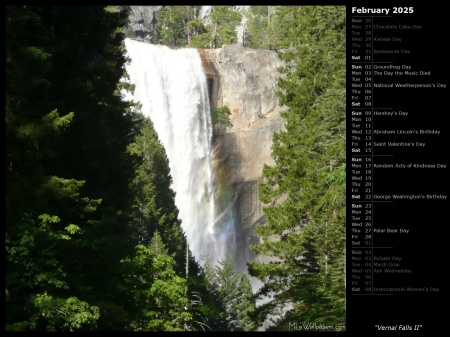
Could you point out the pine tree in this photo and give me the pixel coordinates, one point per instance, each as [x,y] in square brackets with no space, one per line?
[304,192]
[223,23]
[45,210]
[67,168]
[153,200]
[198,34]
[157,245]
[284,27]
[258,27]
[232,295]
[171,27]
[28,62]
[245,305]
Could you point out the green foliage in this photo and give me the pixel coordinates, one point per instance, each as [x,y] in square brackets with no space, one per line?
[178,26]
[35,273]
[304,191]
[87,65]
[257,28]
[203,40]
[28,63]
[157,246]
[40,131]
[273,27]
[286,27]
[153,200]
[63,314]
[224,21]
[196,27]
[198,36]
[64,168]
[245,305]
[159,299]
[58,314]
[221,115]
[171,27]
[232,295]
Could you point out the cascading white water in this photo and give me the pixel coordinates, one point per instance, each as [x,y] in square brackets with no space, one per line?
[172,88]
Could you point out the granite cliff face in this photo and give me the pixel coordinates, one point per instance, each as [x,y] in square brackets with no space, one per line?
[141,21]
[244,80]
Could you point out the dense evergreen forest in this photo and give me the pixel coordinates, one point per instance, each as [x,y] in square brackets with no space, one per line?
[93,240]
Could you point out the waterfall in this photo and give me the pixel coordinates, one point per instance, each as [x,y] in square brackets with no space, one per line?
[172,88]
